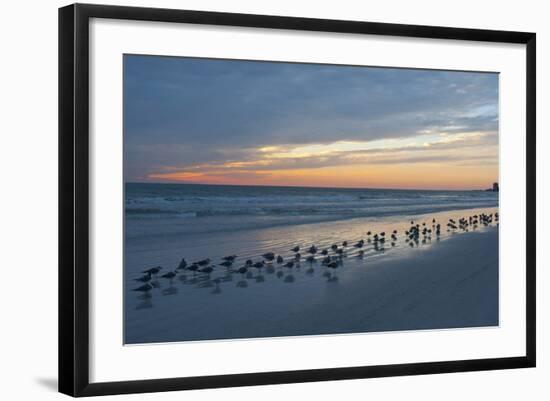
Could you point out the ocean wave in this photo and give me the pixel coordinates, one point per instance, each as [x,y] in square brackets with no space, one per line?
[138,211]
[183,201]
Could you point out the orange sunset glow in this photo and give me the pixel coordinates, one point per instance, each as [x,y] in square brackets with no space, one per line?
[447,162]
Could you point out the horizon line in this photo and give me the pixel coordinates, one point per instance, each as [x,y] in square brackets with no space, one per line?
[306,186]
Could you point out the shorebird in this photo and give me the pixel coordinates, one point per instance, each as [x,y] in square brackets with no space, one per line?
[230,258]
[144,288]
[203,262]
[169,275]
[359,244]
[289,264]
[324,252]
[259,264]
[207,269]
[227,263]
[312,249]
[248,263]
[144,279]
[242,270]
[297,256]
[183,264]
[345,243]
[269,256]
[280,259]
[153,270]
[295,249]
[194,267]
[333,265]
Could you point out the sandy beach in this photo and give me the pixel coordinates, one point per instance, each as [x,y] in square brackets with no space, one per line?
[447,283]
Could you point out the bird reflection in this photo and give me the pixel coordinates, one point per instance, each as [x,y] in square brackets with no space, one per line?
[217,289]
[145,304]
[170,291]
[242,283]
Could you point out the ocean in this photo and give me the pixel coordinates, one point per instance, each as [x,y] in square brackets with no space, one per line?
[167,222]
[204,208]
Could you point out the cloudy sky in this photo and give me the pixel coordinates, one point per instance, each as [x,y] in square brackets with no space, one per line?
[260,123]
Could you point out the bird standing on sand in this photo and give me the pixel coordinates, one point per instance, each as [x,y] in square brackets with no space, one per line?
[144,279]
[153,270]
[169,275]
[312,249]
[144,288]
[194,267]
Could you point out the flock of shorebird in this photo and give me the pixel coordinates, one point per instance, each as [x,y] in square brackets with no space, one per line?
[330,257]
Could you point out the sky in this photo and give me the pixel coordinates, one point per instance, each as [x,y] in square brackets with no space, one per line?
[233,122]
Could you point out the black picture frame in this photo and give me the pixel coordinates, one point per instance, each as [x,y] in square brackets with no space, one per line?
[74,198]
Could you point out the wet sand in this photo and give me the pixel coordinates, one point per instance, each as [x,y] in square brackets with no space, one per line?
[447,283]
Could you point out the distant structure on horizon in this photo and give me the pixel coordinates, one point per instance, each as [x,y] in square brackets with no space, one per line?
[495,187]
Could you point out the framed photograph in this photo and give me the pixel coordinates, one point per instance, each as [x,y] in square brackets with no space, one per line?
[251,199]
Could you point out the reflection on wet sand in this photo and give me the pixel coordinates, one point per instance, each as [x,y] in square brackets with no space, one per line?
[325,258]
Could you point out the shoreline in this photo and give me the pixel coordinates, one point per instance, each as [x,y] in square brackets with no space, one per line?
[168,225]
